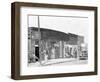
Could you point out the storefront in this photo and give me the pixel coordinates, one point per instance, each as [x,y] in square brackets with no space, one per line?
[48,44]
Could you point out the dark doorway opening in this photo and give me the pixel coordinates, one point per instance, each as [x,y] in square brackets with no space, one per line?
[37,52]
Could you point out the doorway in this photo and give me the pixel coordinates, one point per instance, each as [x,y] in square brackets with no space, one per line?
[37,53]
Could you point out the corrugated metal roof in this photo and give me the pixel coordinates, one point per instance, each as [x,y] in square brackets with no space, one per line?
[51,34]
[58,35]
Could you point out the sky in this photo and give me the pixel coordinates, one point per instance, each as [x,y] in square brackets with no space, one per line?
[75,25]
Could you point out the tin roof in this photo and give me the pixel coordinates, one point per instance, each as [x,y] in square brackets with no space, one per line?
[51,34]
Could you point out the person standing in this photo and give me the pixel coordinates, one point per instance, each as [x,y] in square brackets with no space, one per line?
[45,56]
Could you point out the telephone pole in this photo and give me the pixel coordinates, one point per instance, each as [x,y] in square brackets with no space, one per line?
[39,40]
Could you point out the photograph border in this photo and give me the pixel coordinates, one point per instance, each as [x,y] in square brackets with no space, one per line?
[15,40]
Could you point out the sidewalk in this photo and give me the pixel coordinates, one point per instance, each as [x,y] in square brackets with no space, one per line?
[57,61]
[52,61]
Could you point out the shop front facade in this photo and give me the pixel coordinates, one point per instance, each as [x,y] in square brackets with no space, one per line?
[50,44]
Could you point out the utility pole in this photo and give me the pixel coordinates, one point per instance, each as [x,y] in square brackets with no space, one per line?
[39,40]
